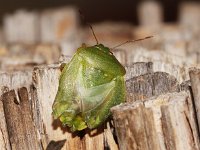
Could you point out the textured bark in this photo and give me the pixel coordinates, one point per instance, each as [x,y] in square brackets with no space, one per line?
[195,83]
[17,126]
[25,57]
[179,72]
[21,130]
[137,69]
[161,123]
[150,84]
[141,68]
[45,80]
[146,55]
[4,139]
[30,97]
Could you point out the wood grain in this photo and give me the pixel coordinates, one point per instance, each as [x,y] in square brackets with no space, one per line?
[163,122]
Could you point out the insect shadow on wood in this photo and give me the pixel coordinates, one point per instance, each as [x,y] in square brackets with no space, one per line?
[56,145]
[57,124]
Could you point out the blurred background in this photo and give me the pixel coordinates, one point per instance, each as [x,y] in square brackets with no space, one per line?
[42,32]
[37,36]
[96,10]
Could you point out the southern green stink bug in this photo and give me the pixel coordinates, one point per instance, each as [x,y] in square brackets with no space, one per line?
[90,84]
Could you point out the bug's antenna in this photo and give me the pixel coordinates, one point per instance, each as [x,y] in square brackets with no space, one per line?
[130,41]
[83,18]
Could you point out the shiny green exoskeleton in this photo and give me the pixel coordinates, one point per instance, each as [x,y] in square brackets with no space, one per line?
[90,84]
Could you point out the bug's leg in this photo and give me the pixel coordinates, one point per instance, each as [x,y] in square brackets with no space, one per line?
[116,96]
[62,66]
[74,121]
[72,117]
[78,123]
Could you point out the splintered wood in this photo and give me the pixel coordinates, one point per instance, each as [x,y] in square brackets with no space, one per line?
[21,130]
[150,84]
[163,122]
[195,84]
[25,57]
[17,127]
[44,94]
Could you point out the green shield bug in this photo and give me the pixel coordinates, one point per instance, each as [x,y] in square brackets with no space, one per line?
[90,84]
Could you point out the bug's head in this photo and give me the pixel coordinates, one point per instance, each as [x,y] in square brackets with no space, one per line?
[102,48]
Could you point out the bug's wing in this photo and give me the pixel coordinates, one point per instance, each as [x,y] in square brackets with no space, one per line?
[94,96]
[116,96]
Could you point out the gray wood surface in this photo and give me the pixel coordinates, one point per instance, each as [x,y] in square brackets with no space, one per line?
[160,123]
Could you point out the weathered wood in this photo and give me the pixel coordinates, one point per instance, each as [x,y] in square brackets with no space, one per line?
[21,129]
[195,83]
[24,57]
[9,83]
[95,141]
[164,122]
[4,139]
[45,80]
[49,53]
[185,86]
[140,68]
[150,84]
[179,72]
[111,143]
[137,69]
[144,55]
[177,48]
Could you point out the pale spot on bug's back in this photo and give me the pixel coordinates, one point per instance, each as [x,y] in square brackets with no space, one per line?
[92,68]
